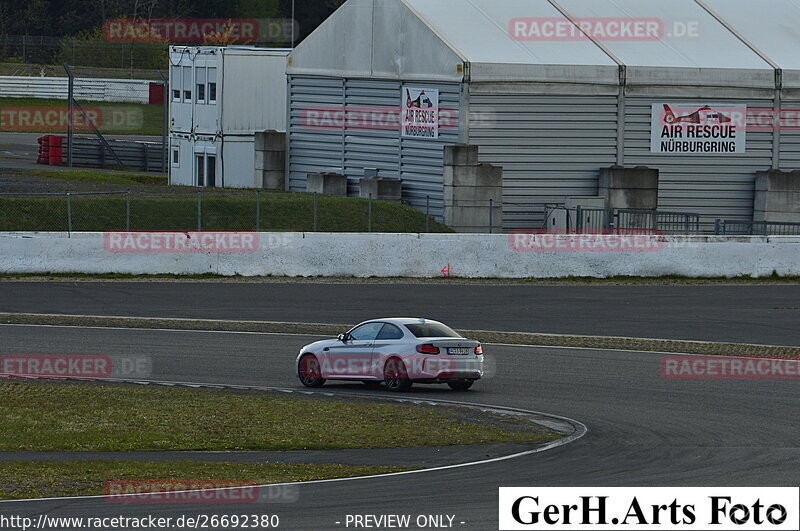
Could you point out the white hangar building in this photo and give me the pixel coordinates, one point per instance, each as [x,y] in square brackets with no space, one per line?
[550,109]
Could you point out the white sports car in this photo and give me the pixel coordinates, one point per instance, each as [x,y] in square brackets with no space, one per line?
[396,351]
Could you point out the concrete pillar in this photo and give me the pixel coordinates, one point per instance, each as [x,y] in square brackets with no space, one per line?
[270,164]
[468,188]
[629,188]
[777,196]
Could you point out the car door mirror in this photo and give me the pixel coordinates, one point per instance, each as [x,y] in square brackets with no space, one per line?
[342,337]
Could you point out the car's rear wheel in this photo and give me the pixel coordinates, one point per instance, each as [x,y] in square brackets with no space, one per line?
[395,376]
[309,371]
[462,385]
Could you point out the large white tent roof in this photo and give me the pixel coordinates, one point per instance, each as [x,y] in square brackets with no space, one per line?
[772,27]
[702,42]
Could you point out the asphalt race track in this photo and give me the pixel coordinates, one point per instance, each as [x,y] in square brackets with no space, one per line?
[763,314]
[643,430]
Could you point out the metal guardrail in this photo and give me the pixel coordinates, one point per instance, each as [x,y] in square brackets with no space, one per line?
[86,89]
[145,156]
[736,227]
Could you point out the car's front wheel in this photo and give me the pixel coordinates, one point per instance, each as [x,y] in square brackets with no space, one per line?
[395,376]
[462,385]
[309,372]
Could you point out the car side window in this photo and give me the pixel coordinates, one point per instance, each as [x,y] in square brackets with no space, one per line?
[366,332]
[390,331]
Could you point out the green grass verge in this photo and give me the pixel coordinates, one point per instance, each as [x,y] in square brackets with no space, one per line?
[113,417]
[97,176]
[277,211]
[113,118]
[38,479]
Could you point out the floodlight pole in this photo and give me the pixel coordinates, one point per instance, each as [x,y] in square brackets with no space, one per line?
[293,23]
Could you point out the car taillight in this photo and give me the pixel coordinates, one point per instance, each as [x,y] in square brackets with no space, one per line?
[479,350]
[427,348]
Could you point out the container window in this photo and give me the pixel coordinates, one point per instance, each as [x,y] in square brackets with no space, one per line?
[212,85]
[200,168]
[176,157]
[187,84]
[176,83]
[200,84]
[211,170]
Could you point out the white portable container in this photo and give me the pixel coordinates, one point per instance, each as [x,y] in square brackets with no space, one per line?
[219,98]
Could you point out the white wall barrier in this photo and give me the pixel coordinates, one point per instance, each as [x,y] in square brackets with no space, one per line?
[393,255]
[86,89]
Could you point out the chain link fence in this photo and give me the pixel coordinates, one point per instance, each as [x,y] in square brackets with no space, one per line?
[34,55]
[205,210]
[191,209]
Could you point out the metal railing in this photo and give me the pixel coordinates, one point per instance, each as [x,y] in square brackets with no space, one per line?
[582,219]
[736,227]
[665,222]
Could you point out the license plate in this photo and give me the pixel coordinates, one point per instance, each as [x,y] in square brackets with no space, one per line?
[459,350]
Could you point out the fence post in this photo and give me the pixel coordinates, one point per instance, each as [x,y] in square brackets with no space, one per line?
[128,211]
[315,211]
[70,116]
[490,215]
[579,219]
[369,213]
[165,124]
[427,213]
[258,210]
[69,215]
[199,211]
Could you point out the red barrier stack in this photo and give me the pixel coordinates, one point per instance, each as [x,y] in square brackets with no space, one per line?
[56,151]
[44,150]
[156,94]
[50,150]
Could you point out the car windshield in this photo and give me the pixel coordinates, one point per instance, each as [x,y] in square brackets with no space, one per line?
[432,330]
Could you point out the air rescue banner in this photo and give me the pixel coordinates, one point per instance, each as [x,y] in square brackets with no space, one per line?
[420,112]
[700,129]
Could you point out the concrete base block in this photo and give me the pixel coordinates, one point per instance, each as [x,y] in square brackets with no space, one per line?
[779,217]
[776,181]
[480,175]
[473,193]
[272,179]
[382,188]
[461,155]
[473,219]
[270,160]
[777,196]
[270,141]
[777,201]
[468,188]
[636,199]
[629,188]
[640,177]
[327,183]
